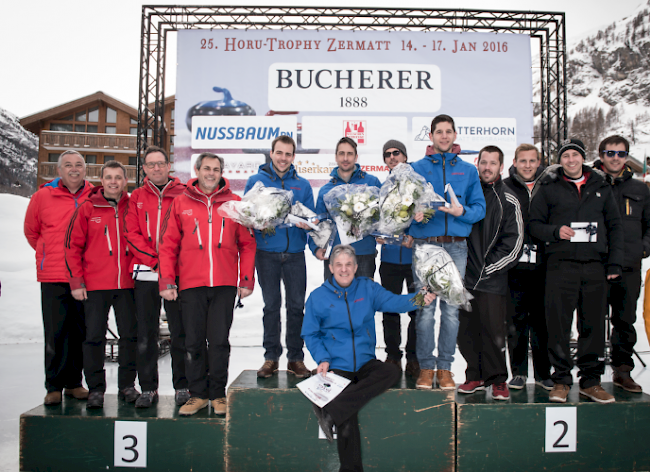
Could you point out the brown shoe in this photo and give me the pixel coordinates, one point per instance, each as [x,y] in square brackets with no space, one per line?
[413,369]
[219,406]
[623,379]
[79,393]
[298,369]
[597,394]
[268,369]
[193,406]
[52,398]
[559,393]
[396,362]
[445,380]
[425,379]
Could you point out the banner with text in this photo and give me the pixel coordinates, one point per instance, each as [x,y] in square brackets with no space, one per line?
[238,90]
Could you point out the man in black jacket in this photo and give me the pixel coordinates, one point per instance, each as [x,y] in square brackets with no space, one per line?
[633,199]
[574,212]
[525,313]
[493,247]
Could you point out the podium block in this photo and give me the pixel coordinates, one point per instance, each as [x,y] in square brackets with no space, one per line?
[529,433]
[272,426]
[68,437]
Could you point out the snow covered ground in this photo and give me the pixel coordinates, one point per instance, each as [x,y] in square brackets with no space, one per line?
[21,333]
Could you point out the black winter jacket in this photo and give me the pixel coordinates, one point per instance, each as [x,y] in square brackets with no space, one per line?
[633,198]
[557,202]
[495,243]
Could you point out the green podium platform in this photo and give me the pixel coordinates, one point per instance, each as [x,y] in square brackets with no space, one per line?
[528,433]
[271,426]
[68,437]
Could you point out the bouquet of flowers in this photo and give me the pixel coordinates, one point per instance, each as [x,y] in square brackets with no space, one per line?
[320,236]
[404,194]
[435,269]
[262,208]
[355,210]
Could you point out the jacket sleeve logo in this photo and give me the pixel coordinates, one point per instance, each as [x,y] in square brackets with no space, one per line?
[96,219]
[187,212]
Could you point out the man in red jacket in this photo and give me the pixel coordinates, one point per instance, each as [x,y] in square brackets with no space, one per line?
[98,262]
[215,259]
[147,206]
[46,221]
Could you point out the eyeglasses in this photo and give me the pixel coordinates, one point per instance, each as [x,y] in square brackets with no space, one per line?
[621,154]
[151,165]
[387,154]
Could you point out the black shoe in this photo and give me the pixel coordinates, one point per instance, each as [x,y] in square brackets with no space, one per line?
[148,398]
[128,394]
[325,421]
[95,400]
[182,396]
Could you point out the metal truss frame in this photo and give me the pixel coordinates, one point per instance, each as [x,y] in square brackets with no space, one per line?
[547,27]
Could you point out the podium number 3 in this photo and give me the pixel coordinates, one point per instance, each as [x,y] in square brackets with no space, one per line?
[561,429]
[130,444]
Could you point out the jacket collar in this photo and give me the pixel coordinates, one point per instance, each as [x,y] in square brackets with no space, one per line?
[97,198]
[331,284]
[515,177]
[171,185]
[356,174]
[626,174]
[192,190]
[269,169]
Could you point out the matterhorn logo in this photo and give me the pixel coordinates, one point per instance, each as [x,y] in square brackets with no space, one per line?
[355,130]
[423,135]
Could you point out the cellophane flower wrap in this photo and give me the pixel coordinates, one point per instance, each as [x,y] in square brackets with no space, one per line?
[405,193]
[322,235]
[354,209]
[435,270]
[262,208]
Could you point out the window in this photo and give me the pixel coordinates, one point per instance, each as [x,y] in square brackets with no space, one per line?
[61,127]
[133,161]
[93,115]
[173,113]
[81,116]
[91,159]
[110,130]
[53,157]
[91,129]
[111,115]
[66,118]
[133,131]
[134,122]
[108,158]
[80,128]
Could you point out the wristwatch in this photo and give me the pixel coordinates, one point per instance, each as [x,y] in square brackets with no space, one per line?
[172,286]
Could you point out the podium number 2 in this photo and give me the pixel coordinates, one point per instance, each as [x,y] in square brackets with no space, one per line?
[130,444]
[561,429]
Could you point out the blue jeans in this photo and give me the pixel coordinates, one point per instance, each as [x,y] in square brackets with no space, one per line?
[290,268]
[425,322]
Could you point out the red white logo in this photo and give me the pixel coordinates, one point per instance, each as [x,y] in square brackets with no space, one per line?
[139,205]
[96,219]
[355,130]
[187,212]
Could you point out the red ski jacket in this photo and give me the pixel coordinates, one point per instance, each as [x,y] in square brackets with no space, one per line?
[96,253]
[209,250]
[143,219]
[46,221]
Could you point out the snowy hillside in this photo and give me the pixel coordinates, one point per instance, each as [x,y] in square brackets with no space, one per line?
[18,156]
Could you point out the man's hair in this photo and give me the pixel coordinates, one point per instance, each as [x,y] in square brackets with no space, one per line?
[442,119]
[343,249]
[203,155]
[59,162]
[526,147]
[151,150]
[349,141]
[284,139]
[113,164]
[491,149]
[613,140]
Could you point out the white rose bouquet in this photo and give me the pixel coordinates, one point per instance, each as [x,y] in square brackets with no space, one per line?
[405,193]
[435,269]
[355,210]
[320,236]
[262,208]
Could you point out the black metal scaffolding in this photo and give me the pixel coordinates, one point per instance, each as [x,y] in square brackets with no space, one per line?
[547,27]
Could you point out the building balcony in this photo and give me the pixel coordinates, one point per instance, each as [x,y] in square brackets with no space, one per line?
[89,142]
[48,171]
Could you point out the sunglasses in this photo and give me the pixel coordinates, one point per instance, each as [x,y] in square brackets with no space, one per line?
[621,154]
[394,153]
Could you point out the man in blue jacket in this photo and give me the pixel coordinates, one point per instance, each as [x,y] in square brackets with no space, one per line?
[348,172]
[449,229]
[339,330]
[282,257]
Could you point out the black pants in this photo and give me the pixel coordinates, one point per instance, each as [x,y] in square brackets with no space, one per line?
[373,379]
[148,304]
[580,286]
[207,315]
[482,338]
[527,322]
[65,330]
[97,306]
[622,297]
[393,277]
[365,266]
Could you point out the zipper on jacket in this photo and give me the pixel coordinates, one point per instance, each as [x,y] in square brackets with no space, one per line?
[489,248]
[197,231]
[223,225]
[354,351]
[108,239]
[444,185]
[43,260]
[146,217]
[210,241]
[400,254]
[119,266]
[160,198]
[287,229]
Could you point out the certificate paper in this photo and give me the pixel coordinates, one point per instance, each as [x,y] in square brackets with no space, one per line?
[585,232]
[321,389]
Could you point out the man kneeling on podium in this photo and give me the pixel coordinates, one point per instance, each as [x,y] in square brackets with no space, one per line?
[339,331]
